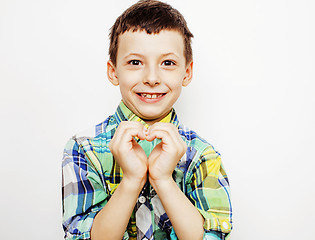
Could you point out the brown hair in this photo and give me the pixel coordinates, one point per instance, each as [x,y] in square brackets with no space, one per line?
[151,16]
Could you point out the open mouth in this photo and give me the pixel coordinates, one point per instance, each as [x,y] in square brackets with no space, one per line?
[151,95]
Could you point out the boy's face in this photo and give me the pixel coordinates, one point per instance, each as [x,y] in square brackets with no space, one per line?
[150,70]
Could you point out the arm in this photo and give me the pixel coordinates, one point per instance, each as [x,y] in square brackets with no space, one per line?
[185,218]
[207,181]
[111,221]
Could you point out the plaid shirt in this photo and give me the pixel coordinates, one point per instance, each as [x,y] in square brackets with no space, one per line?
[91,176]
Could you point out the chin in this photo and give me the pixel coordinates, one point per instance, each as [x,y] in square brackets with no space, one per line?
[154,117]
[149,117]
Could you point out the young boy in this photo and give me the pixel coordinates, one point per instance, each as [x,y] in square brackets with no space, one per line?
[140,174]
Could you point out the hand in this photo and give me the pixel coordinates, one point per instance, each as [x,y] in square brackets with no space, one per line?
[165,156]
[128,153]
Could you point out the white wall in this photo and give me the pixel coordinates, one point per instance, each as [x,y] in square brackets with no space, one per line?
[253,93]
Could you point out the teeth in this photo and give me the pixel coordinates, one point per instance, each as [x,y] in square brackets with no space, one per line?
[145,95]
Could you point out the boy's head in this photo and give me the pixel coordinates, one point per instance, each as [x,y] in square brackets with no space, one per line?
[150,58]
[151,16]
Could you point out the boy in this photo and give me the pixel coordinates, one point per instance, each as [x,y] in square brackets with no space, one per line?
[140,174]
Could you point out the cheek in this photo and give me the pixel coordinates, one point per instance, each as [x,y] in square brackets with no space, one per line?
[174,79]
[128,79]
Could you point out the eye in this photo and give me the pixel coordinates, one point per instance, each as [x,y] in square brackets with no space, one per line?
[134,62]
[168,63]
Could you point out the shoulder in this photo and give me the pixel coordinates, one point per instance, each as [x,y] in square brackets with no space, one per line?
[92,141]
[101,130]
[200,159]
[199,152]
[87,147]
[195,141]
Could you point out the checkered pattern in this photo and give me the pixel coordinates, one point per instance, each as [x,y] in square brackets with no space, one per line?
[91,176]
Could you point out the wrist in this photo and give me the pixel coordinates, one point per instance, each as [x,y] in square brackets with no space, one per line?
[162,184]
[133,184]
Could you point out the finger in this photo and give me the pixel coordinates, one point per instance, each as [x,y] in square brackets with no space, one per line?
[127,130]
[125,133]
[161,134]
[172,137]
[167,127]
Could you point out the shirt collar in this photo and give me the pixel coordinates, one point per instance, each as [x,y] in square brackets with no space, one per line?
[123,113]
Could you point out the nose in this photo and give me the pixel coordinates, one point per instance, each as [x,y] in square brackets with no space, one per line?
[152,77]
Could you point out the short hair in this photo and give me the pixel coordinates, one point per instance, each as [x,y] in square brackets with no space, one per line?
[151,16]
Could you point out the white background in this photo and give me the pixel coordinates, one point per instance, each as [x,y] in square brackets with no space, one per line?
[252,93]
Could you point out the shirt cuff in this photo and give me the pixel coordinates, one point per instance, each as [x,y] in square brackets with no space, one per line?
[219,222]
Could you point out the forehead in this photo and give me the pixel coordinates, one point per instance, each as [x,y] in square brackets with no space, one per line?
[164,42]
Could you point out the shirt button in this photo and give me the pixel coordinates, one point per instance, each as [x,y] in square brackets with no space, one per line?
[142,199]
[225,225]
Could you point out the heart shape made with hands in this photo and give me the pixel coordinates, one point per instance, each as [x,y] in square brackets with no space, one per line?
[131,156]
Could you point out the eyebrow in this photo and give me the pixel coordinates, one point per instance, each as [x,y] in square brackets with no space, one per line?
[168,54]
[134,54]
[142,56]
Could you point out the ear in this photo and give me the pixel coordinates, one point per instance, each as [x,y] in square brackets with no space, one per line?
[111,73]
[189,74]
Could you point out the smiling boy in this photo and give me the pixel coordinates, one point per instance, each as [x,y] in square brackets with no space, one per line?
[141,174]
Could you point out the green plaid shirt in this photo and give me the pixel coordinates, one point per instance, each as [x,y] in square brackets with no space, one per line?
[91,176]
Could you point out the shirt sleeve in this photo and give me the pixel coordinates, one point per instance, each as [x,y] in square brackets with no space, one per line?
[83,192]
[208,189]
